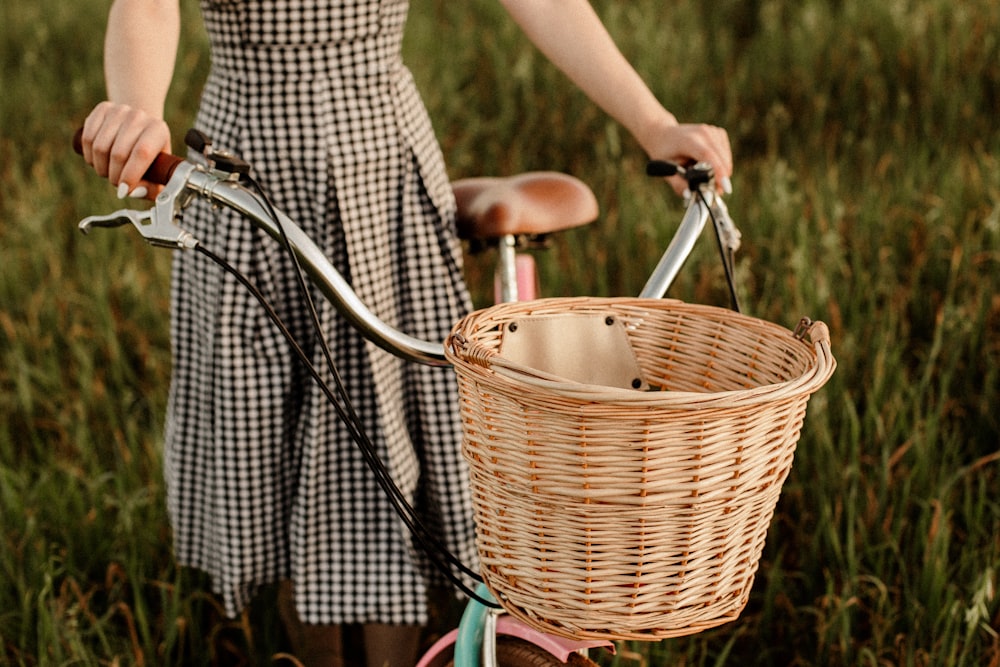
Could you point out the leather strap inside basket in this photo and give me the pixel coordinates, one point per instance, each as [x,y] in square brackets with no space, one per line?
[590,348]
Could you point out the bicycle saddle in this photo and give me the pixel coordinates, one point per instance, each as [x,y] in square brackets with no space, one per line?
[534,203]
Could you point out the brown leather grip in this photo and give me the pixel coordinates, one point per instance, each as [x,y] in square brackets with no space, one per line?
[159,171]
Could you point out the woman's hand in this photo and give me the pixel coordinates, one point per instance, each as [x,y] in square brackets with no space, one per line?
[122,137]
[685,144]
[120,142]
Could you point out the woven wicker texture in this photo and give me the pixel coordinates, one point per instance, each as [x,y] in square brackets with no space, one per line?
[619,514]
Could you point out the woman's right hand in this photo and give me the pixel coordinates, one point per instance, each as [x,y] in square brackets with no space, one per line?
[120,142]
[687,143]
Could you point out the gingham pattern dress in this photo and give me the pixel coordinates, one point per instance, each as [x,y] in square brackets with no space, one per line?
[262,481]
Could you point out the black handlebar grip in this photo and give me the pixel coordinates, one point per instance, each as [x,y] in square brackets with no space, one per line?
[159,171]
[662,168]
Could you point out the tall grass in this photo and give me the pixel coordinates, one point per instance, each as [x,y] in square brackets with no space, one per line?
[868,190]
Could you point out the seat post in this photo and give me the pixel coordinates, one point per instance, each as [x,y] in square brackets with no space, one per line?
[506,271]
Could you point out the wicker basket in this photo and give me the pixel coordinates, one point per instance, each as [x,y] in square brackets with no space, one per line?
[612,513]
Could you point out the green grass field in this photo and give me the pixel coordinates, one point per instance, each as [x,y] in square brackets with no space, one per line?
[868,190]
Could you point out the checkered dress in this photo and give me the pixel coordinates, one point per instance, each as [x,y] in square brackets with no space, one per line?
[263,482]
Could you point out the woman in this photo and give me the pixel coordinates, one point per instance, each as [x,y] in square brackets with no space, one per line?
[263,483]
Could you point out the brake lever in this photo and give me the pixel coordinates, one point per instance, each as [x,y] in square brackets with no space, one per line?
[157,225]
[729,234]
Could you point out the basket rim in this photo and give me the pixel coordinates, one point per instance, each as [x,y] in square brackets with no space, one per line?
[470,357]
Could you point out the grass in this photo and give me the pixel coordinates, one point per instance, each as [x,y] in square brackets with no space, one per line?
[868,191]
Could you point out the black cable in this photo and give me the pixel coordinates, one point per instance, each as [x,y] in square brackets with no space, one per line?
[438,554]
[430,544]
[663,169]
[726,258]
[402,506]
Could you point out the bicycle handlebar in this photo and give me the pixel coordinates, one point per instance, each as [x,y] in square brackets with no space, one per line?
[219,182]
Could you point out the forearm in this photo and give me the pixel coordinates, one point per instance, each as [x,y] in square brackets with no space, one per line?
[571,35]
[139,51]
[123,134]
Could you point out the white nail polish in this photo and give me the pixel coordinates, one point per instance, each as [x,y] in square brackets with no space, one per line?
[122,190]
[139,192]
[727,186]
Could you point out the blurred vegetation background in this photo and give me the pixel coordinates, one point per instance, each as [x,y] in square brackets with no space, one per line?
[868,191]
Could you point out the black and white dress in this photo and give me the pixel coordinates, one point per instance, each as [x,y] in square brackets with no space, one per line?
[263,483]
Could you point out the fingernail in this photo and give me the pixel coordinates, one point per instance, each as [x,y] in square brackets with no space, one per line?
[727,185]
[139,192]
[122,190]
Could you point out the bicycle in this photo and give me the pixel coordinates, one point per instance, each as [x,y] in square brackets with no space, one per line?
[502,213]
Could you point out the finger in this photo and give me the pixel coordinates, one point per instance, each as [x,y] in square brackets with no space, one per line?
[111,141]
[711,144]
[138,192]
[145,190]
[130,146]
[152,140]
[91,128]
[725,150]
[713,147]
[125,143]
[138,139]
[726,169]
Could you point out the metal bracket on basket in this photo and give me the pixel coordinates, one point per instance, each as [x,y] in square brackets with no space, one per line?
[802,328]
[817,331]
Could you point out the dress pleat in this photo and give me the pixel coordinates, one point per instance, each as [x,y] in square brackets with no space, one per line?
[263,481]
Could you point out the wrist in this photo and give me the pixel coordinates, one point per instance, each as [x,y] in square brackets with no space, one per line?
[651,130]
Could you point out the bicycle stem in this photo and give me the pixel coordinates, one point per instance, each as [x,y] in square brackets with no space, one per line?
[677,252]
[701,208]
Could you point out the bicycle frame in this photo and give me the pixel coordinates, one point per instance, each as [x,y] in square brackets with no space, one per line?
[476,635]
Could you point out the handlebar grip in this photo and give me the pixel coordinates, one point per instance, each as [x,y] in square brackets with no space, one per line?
[159,171]
[662,168]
